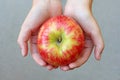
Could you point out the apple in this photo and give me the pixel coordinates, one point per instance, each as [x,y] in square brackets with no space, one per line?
[60,40]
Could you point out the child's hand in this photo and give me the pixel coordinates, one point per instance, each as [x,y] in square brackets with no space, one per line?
[40,11]
[80,10]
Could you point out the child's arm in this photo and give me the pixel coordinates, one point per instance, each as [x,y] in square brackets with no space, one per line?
[81,11]
[41,10]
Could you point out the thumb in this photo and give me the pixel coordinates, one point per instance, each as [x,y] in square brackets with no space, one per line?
[23,38]
[90,26]
[31,24]
[96,37]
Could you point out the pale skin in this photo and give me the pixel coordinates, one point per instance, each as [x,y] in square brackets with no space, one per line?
[80,10]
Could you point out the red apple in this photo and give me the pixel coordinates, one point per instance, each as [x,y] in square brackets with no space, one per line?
[60,41]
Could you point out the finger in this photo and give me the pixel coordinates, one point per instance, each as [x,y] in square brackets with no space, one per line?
[31,23]
[90,26]
[50,67]
[23,40]
[64,68]
[34,52]
[82,59]
[39,60]
[84,55]
[99,45]
[97,38]
[37,57]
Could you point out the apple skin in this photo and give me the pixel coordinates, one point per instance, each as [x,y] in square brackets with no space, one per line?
[60,41]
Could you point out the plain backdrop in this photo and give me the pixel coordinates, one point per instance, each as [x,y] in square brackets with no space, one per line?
[14,67]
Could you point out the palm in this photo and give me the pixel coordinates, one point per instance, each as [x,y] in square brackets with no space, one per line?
[40,12]
[85,53]
[83,15]
[34,49]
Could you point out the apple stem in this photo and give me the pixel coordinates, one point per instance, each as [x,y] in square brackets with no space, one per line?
[59,39]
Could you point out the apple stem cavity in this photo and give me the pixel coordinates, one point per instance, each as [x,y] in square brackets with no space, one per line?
[59,40]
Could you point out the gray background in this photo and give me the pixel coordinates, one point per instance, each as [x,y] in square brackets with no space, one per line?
[14,67]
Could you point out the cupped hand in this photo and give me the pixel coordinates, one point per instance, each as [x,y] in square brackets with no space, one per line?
[40,11]
[81,11]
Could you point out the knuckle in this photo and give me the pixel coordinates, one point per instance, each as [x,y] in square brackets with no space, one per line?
[102,46]
[78,65]
[95,32]
[18,41]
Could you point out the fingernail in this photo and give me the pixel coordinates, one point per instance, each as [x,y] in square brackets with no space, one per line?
[98,56]
[23,53]
[50,68]
[71,65]
[43,64]
[66,69]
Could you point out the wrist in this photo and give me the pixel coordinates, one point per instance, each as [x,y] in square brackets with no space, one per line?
[85,3]
[40,1]
[80,1]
